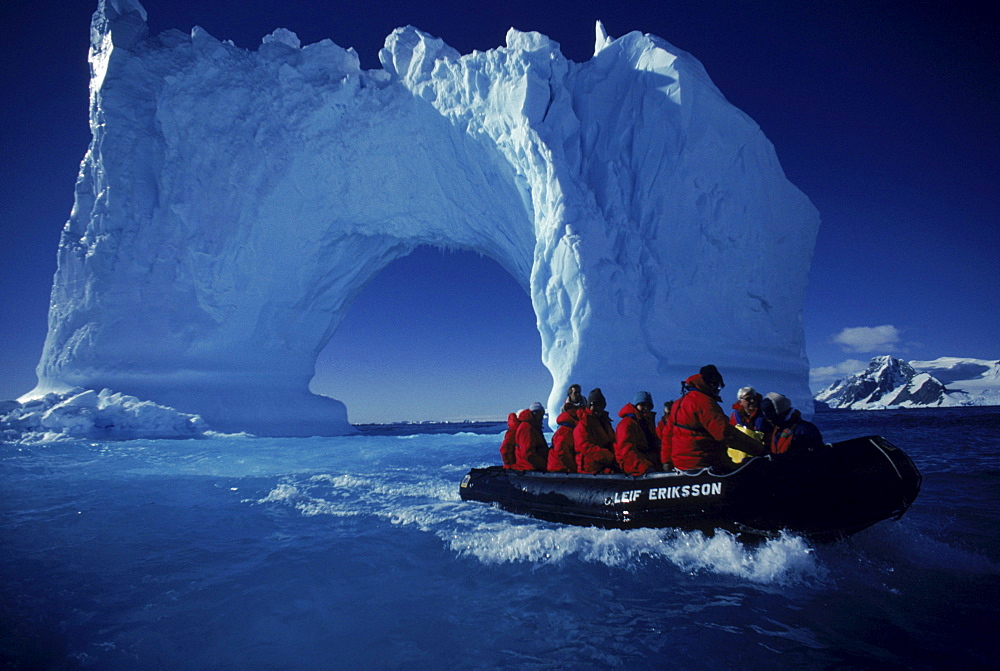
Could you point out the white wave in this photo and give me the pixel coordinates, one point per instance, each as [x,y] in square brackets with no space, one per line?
[389,489]
[289,494]
[431,504]
[349,494]
[776,560]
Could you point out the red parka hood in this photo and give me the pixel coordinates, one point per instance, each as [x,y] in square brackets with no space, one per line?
[567,418]
[698,382]
[524,415]
[629,409]
[512,420]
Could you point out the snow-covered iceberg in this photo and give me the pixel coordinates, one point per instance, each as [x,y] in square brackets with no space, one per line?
[233,203]
[85,413]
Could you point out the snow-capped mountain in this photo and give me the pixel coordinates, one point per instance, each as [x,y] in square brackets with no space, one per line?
[893,383]
[979,379]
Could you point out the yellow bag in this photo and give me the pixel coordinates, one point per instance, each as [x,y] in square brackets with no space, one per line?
[738,455]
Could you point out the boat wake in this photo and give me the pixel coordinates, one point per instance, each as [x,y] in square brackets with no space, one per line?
[785,559]
[492,536]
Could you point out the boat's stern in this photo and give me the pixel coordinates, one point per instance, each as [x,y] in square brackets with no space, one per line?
[910,479]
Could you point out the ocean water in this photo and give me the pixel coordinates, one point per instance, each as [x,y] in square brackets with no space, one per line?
[357,553]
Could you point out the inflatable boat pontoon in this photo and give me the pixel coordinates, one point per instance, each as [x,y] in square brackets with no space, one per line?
[826,493]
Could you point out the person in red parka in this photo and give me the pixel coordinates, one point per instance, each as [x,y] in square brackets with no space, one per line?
[666,432]
[531,449]
[508,445]
[662,424]
[699,431]
[562,456]
[594,438]
[637,449]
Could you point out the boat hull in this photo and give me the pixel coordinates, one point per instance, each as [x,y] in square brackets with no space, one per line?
[827,493]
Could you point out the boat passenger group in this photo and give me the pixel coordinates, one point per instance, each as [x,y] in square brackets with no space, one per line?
[694,432]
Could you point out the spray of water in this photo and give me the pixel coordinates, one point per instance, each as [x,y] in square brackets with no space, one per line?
[492,536]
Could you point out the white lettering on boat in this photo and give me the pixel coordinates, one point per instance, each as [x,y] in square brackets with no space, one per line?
[661,493]
[685,491]
[626,497]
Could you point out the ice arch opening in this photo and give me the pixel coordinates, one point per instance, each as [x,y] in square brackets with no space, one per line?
[256,234]
[437,335]
[233,203]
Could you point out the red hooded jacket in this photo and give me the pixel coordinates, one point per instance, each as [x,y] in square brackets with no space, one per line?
[661,425]
[666,434]
[562,456]
[697,428]
[594,441]
[636,448]
[507,447]
[531,448]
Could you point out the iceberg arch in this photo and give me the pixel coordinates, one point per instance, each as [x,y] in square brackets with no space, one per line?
[233,203]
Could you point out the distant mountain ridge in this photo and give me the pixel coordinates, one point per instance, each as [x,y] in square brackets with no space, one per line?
[889,382]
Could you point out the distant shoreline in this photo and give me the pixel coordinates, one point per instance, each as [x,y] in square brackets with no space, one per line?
[432,427]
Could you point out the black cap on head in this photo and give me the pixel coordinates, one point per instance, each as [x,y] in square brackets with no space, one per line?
[711,375]
[767,409]
[595,397]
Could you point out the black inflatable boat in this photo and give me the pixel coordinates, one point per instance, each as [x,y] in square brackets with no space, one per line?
[823,494]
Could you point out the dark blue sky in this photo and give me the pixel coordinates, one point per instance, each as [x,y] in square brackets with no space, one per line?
[884,113]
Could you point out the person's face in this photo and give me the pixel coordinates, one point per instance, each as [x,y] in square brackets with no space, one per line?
[597,407]
[644,407]
[750,404]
